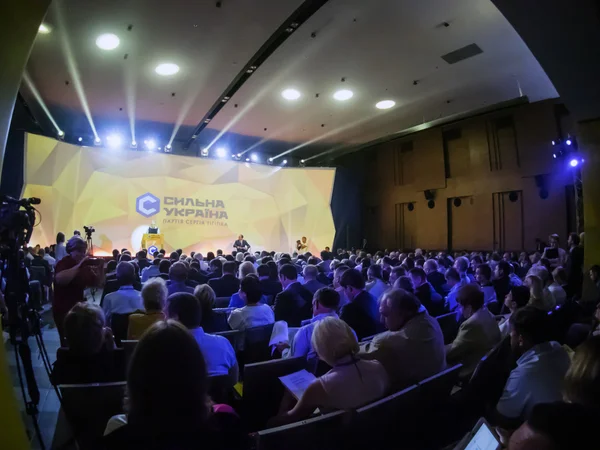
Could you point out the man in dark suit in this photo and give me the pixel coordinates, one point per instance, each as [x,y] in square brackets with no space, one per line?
[362,312]
[435,277]
[294,303]
[268,286]
[215,269]
[429,298]
[241,244]
[310,274]
[142,260]
[228,284]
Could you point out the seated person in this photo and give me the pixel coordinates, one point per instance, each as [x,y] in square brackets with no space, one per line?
[540,371]
[89,356]
[375,284]
[351,383]
[126,299]
[293,304]
[477,335]
[227,284]
[413,348]
[582,381]
[151,271]
[397,272]
[362,311]
[555,286]
[483,276]
[167,402]
[310,273]
[435,277]
[154,296]
[218,353]
[254,314]
[269,286]
[429,298]
[406,283]
[517,298]
[454,283]
[206,296]
[246,268]
[178,276]
[163,268]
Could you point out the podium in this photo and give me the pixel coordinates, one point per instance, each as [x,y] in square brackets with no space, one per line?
[153,240]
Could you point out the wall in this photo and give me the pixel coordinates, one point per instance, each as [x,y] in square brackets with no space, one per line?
[481,161]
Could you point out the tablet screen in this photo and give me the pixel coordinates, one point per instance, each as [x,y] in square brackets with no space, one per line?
[484,439]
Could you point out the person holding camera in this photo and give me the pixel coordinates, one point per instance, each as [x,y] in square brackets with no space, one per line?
[73,274]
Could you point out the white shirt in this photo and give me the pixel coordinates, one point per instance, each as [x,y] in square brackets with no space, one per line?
[124,301]
[60,251]
[559,294]
[538,378]
[250,316]
[50,260]
[377,288]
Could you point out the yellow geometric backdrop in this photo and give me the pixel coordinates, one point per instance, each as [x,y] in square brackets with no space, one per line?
[198,204]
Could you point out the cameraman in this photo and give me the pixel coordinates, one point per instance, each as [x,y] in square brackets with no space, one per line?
[73,274]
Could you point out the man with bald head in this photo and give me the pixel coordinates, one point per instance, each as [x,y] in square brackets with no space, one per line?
[478,334]
[413,347]
[177,276]
[126,299]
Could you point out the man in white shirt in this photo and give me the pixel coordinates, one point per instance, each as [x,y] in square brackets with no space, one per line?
[217,351]
[541,367]
[126,300]
[413,348]
[46,256]
[254,314]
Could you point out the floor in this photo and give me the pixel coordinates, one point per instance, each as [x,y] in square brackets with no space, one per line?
[49,404]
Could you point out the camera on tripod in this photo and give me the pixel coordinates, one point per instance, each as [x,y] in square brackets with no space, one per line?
[88,231]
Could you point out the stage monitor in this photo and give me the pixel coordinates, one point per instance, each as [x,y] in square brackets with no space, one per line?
[198,204]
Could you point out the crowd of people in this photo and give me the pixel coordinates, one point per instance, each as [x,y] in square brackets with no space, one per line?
[370,318]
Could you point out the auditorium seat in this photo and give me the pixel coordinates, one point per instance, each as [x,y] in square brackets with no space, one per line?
[449,326]
[222,302]
[256,344]
[263,390]
[220,390]
[107,366]
[219,320]
[387,422]
[234,337]
[88,407]
[119,323]
[324,432]
[128,348]
[437,388]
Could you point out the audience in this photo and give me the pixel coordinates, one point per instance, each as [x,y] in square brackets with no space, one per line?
[227,284]
[501,280]
[405,283]
[375,284]
[395,273]
[254,314]
[337,276]
[476,335]
[541,366]
[351,383]
[574,266]
[517,298]
[294,302]
[218,353]
[126,299]
[558,280]
[151,271]
[435,277]
[454,282]
[413,348]
[154,297]
[246,268]
[269,284]
[167,401]
[429,298]
[554,254]
[310,274]
[582,381]
[540,297]
[361,312]
[178,273]
[483,276]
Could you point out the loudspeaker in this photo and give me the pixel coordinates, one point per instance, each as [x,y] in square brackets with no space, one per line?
[457,202]
[540,182]
[513,196]
[411,207]
[429,194]
[431,204]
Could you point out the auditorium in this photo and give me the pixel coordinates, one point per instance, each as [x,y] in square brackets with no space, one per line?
[299,225]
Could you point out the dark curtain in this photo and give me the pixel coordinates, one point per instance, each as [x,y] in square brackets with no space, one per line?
[14,164]
[346,207]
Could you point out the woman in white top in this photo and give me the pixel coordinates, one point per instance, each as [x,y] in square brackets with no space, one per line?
[254,314]
[351,383]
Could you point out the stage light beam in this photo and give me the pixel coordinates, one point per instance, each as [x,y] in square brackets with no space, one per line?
[39,99]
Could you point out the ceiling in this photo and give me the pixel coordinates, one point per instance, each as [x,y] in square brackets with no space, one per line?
[378,48]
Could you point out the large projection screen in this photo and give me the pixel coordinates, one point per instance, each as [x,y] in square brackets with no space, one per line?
[198,204]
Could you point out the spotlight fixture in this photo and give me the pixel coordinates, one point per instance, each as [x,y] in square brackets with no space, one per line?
[168,147]
[204,152]
[385,104]
[108,41]
[302,161]
[44,29]
[150,144]
[167,69]
[254,157]
[554,155]
[343,94]
[284,162]
[61,133]
[553,142]
[221,152]
[114,141]
[97,140]
[80,139]
[239,155]
[247,159]
[270,161]
[290,94]
[574,162]
[133,144]
[568,142]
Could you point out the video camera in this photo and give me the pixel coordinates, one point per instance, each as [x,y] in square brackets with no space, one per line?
[17,218]
[88,231]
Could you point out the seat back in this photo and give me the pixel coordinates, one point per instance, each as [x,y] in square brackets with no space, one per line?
[235,337]
[36,295]
[128,348]
[220,389]
[88,407]
[119,324]
[256,344]
[263,390]
[219,319]
[449,326]
[38,273]
[437,389]
[71,368]
[322,432]
[222,302]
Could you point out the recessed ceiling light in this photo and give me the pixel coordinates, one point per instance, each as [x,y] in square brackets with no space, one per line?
[80,139]
[44,29]
[167,69]
[343,94]
[108,41]
[385,104]
[291,94]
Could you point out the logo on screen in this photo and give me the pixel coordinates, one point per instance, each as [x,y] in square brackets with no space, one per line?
[147,205]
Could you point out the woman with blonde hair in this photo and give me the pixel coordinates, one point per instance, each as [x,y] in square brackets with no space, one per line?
[350,384]
[206,296]
[154,296]
[540,296]
[582,381]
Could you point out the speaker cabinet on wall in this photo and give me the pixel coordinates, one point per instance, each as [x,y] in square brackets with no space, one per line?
[541,183]
[411,207]
[429,194]
[431,204]
[457,202]
[513,196]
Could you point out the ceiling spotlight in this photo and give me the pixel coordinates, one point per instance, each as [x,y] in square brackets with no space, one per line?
[343,94]
[291,94]
[553,142]
[61,133]
[134,143]
[574,163]
[239,155]
[568,142]
[44,29]
[97,140]
[247,159]
[150,144]
[108,41]
[302,161]
[385,104]
[254,157]
[80,139]
[168,147]
[270,159]
[114,141]
[284,162]
[204,152]
[167,69]
[554,155]
[221,152]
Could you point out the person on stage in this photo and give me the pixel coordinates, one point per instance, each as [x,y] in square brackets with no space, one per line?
[302,246]
[241,244]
